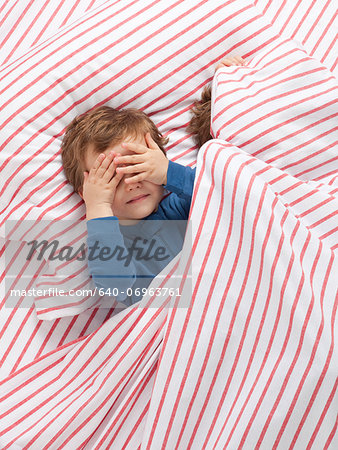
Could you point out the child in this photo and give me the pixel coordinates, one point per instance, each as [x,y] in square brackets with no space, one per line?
[199,125]
[116,161]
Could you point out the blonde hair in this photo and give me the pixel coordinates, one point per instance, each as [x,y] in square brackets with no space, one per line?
[101,128]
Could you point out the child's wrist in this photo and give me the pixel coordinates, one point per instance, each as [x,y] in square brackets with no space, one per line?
[99,211]
[165,173]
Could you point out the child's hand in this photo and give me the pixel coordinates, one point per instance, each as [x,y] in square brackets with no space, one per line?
[235,60]
[99,187]
[149,163]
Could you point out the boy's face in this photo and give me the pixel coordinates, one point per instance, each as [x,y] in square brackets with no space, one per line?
[132,201]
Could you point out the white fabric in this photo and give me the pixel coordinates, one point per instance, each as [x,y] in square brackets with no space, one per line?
[281,108]
[249,362]
[147,55]
[252,361]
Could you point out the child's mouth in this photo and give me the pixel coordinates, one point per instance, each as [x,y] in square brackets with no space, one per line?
[139,198]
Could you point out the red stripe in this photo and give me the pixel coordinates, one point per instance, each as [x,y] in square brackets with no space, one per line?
[14,309]
[318,41]
[260,327]
[278,110]
[106,378]
[231,326]
[50,20]
[207,306]
[223,301]
[329,233]
[306,143]
[315,208]
[324,371]
[291,15]
[15,26]
[33,363]
[235,70]
[276,97]
[71,12]
[12,286]
[328,51]
[90,5]
[300,22]
[50,42]
[292,119]
[48,336]
[81,348]
[258,405]
[281,7]
[23,165]
[173,313]
[129,406]
[8,13]
[334,171]
[334,65]
[44,127]
[193,296]
[4,4]
[26,347]
[186,63]
[267,6]
[308,157]
[333,433]
[293,364]
[18,43]
[310,31]
[28,196]
[41,94]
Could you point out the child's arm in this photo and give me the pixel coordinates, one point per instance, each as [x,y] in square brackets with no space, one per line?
[180,180]
[106,246]
[104,236]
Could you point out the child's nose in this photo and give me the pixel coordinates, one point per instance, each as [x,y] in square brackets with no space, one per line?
[134,185]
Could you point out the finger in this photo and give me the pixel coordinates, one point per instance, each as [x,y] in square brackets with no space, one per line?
[135,179]
[129,159]
[225,62]
[234,61]
[115,180]
[137,148]
[239,60]
[110,171]
[85,177]
[135,168]
[150,141]
[97,163]
[105,163]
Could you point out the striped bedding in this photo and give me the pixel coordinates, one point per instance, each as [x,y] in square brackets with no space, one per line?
[245,357]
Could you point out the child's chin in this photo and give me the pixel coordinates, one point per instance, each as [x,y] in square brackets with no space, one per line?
[142,213]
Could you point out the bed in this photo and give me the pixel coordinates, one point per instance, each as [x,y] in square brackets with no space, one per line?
[245,356]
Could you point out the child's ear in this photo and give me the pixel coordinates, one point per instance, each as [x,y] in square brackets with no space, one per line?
[80,193]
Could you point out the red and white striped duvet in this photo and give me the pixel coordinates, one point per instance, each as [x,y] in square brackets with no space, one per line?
[251,363]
